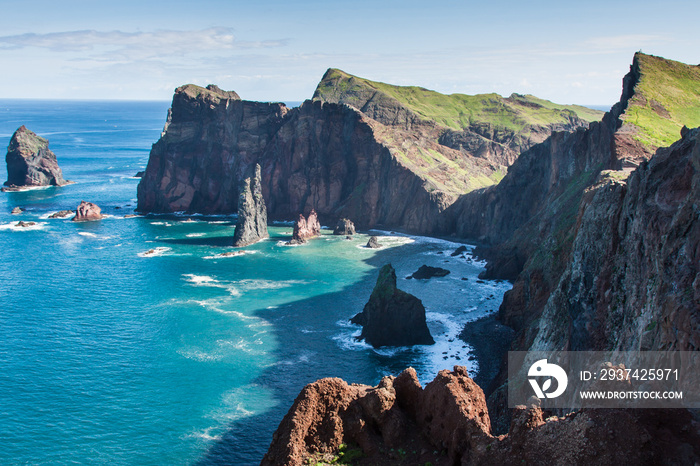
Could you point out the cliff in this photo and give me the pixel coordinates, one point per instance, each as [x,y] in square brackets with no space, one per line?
[30,162]
[329,156]
[210,140]
[633,278]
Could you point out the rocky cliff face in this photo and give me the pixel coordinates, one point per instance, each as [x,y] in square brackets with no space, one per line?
[209,142]
[252,214]
[393,317]
[30,162]
[633,279]
[324,155]
[399,422]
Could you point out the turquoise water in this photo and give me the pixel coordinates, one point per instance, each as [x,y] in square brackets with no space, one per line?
[112,356]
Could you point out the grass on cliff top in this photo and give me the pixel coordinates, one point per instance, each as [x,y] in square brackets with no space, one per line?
[456,111]
[667,97]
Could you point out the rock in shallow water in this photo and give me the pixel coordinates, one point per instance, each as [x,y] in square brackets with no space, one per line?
[30,162]
[87,211]
[373,243]
[305,228]
[252,214]
[393,317]
[345,227]
[425,272]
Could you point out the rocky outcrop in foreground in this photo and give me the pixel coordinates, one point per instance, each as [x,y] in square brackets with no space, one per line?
[392,317]
[87,211]
[306,228]
[252,214]
[447,423]
[30,162]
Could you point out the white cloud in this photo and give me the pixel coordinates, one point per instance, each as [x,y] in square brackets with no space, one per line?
[126,46]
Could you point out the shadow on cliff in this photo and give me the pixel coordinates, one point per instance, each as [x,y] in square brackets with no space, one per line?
[309,349]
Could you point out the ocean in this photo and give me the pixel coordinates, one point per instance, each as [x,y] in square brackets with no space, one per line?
[111,355]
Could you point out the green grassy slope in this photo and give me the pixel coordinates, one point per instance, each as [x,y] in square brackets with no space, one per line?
[456,111]
[666,97]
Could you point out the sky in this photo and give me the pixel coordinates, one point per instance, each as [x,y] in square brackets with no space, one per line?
[272,50]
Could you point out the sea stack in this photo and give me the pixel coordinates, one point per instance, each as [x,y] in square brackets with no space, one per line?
[87,211]
[305,228]
[345,227]
[252,214]
[393,317]
[30,162]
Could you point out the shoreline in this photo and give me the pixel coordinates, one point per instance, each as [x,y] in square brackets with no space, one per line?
[490,341]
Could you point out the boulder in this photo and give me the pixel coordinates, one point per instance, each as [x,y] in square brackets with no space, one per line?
[252,214]
[87,211]
[305,228]
[25,224]
[62,214]
[30,162]
[373,243]
[345,227]
[17,210]
[393,317]
[459,250]
[426,272]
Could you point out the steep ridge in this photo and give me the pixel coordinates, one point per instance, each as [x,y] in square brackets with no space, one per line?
[326,156]
[487,126]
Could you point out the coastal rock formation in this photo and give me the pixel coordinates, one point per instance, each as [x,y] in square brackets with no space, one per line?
[210,139]
[17,210]
[252,214]
[306,228]
[22,224]
[87,211]
[426,272]
[447,423]
[345,227]
[62,214]
[333,157]
[373,243]
[392,317]
[30,162]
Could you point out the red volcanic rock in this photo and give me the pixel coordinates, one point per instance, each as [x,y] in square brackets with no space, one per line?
[305,228]
[87,211]
[447,423]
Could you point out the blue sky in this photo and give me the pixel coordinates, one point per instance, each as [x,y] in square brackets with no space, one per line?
[568,52]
